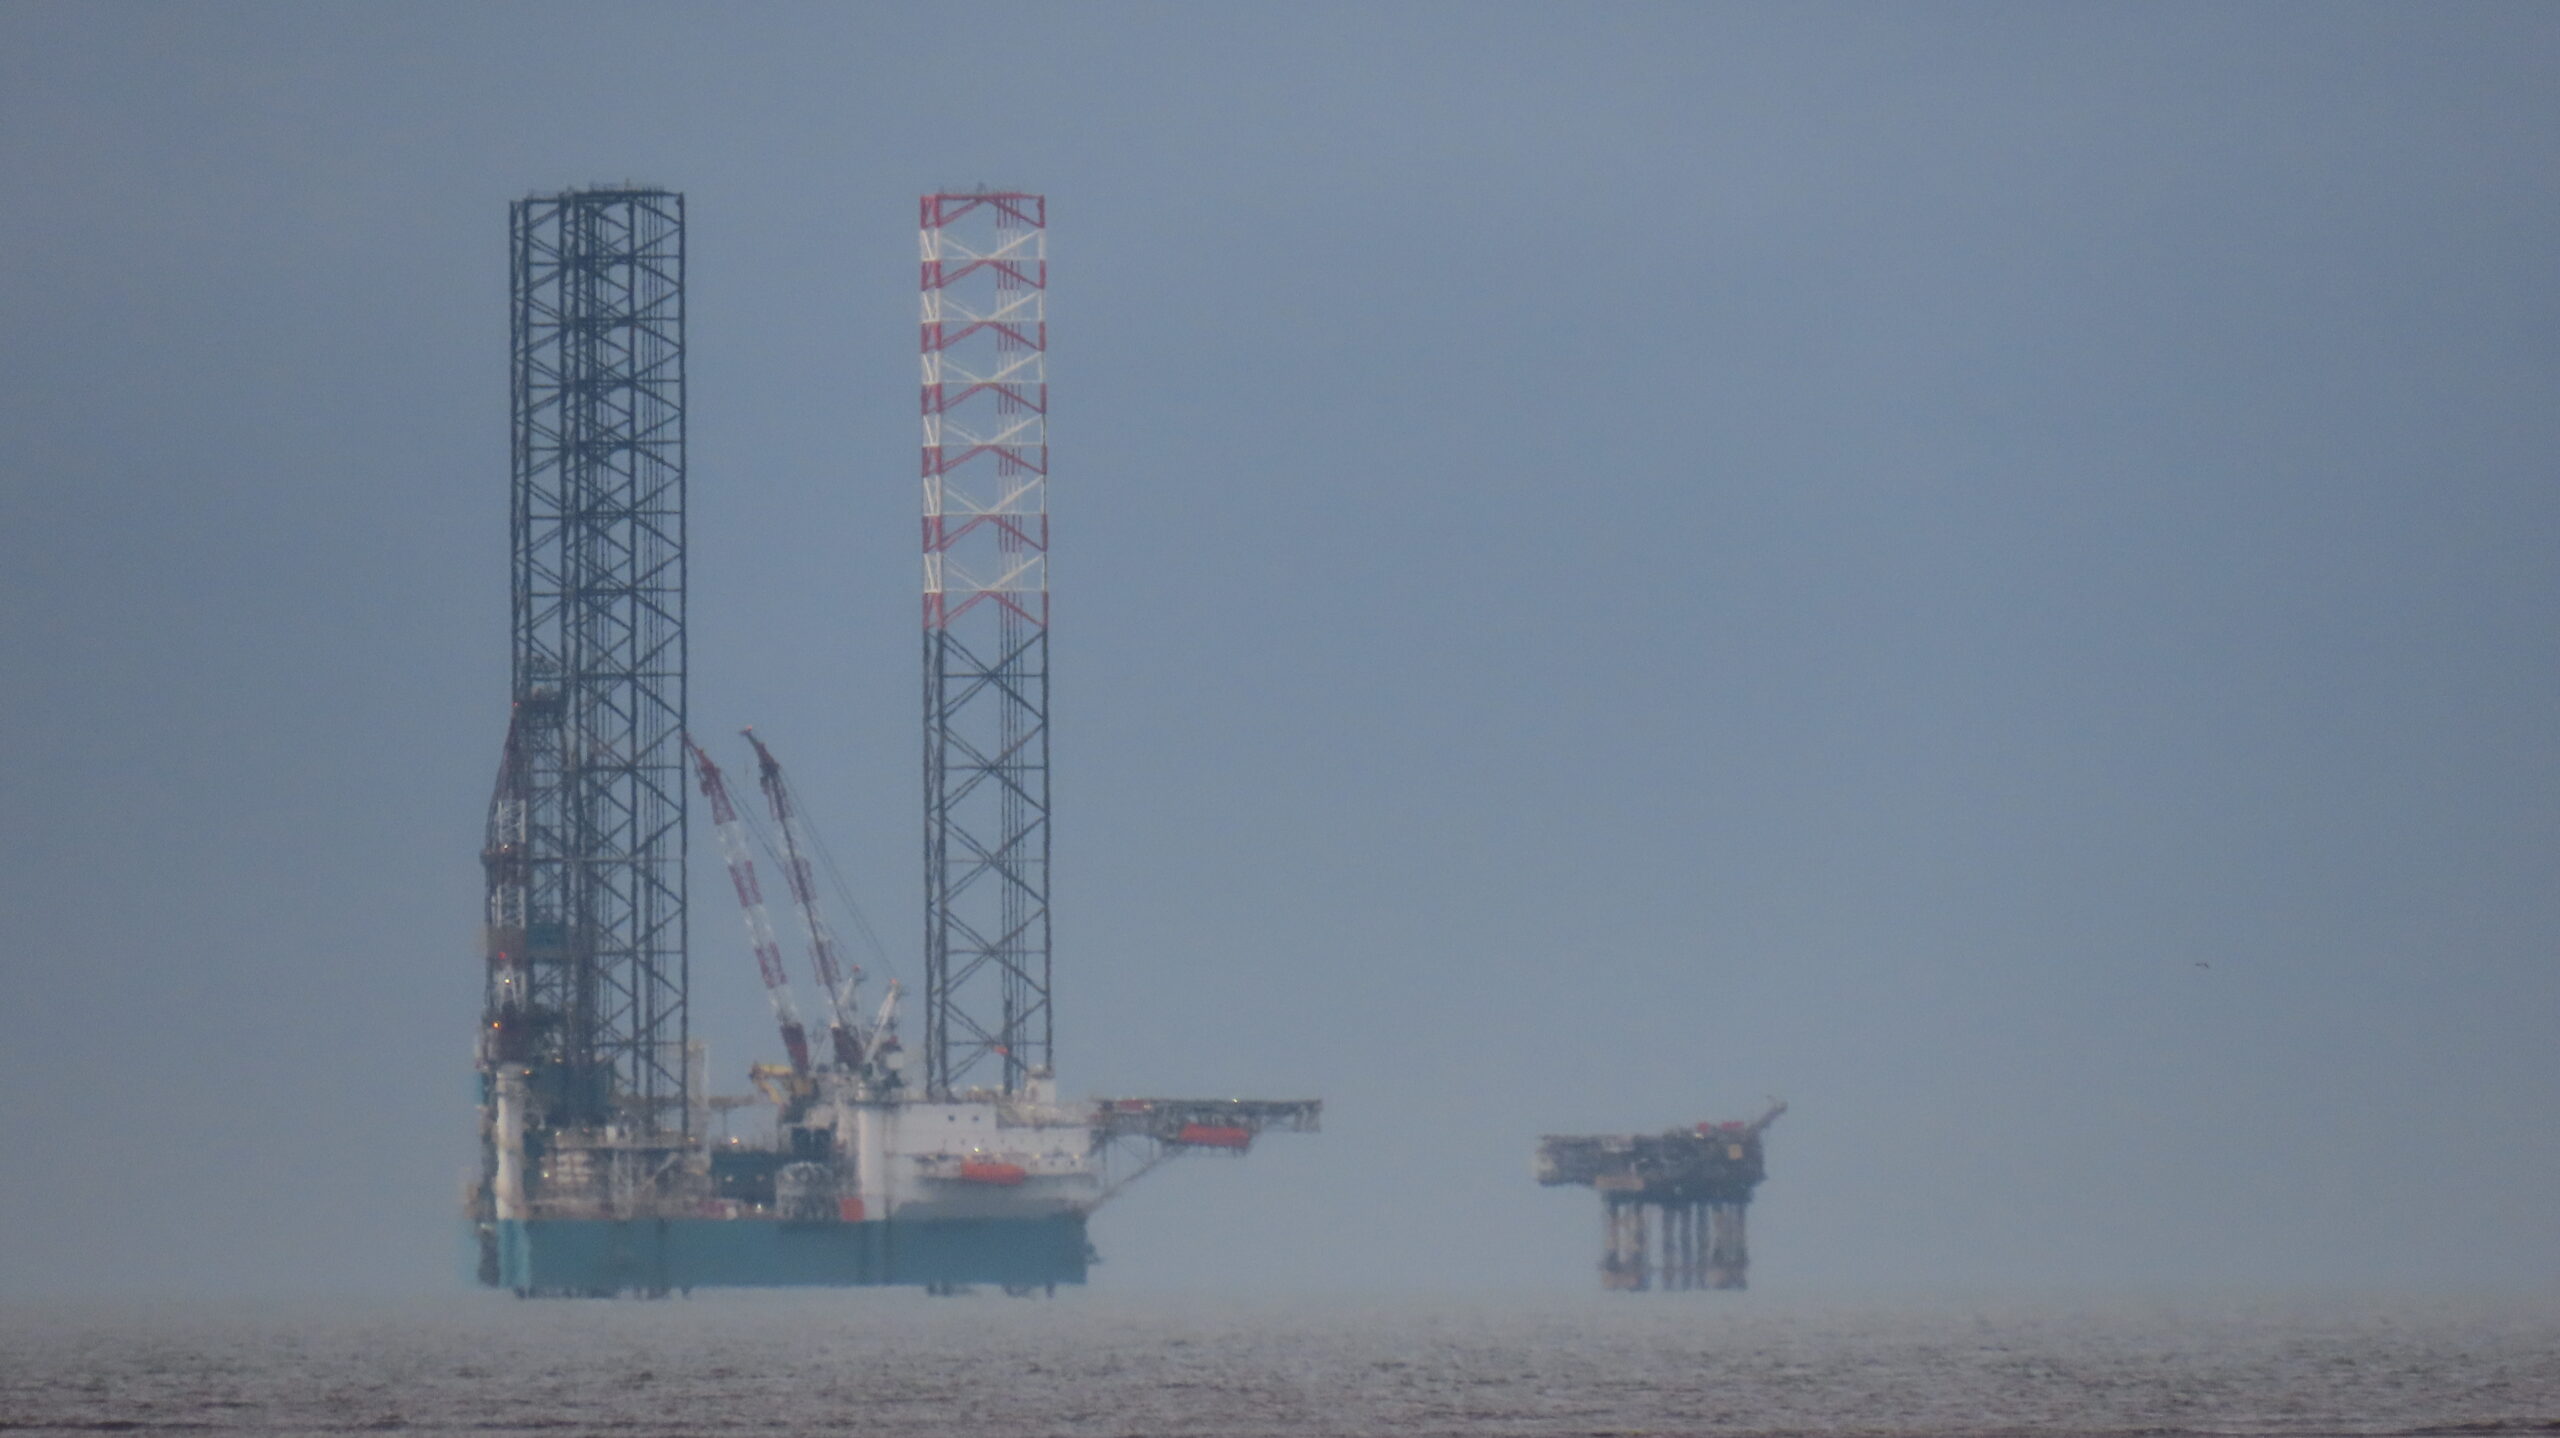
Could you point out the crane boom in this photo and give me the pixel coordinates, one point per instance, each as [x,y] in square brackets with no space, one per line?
[742,877]
[844,1025]
[883,1037]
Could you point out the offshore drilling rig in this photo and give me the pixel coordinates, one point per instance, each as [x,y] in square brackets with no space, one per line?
[598,1174]
[1690,1185]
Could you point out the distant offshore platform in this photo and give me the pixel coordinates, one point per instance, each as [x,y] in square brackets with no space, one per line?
[1671,1204]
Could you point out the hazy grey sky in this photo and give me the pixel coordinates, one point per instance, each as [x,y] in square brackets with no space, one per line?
[1987,569]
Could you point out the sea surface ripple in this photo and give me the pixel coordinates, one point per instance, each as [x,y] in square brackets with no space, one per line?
[1101,1364]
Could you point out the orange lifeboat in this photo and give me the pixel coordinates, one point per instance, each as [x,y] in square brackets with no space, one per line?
[1003,1175]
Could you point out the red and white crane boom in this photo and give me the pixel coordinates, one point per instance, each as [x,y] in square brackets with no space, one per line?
[844,1025]
[742,877]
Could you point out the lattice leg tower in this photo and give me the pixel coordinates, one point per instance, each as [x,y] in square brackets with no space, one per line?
[587,837]
[984,340]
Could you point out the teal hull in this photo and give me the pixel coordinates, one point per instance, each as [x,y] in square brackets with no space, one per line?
[602,1256]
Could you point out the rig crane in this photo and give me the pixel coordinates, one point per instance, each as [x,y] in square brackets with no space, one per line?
[844,1026]
[742,877]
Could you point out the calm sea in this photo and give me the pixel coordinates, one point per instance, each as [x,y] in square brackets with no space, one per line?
[1097,1363]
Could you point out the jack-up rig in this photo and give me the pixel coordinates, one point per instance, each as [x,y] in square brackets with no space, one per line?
[1690,1185]
[599,1174]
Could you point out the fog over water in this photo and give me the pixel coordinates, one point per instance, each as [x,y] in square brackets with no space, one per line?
[1988,570]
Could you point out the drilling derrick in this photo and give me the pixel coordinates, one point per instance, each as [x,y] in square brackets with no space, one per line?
[1690,1186]
[985,340]
[584,1049]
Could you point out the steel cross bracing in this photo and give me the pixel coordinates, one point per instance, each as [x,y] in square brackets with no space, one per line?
[593,794]
[985,401]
